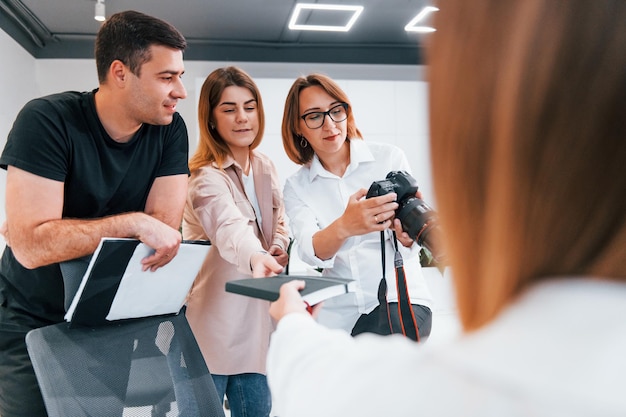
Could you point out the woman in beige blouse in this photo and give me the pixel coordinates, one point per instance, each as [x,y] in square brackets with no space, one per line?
[235,201]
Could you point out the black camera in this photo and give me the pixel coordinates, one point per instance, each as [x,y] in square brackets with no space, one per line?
[418,219]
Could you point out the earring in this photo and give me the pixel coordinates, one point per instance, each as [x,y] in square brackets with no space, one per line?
[212,126]
[303,142]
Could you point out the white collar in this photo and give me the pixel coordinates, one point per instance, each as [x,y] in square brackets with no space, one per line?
[359,153]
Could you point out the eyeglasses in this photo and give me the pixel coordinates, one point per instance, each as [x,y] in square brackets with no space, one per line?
[315,119]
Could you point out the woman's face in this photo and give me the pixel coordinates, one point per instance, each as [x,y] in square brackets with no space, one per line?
[236,117]
[330,137]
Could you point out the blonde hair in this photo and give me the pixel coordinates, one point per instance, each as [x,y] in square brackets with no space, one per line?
[528,144]
[291,116]
[211,147]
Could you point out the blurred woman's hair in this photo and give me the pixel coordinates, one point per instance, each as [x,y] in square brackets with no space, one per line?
[527,102]
[292,118]
[211,146]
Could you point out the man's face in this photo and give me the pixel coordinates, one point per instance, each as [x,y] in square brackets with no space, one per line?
[154,94]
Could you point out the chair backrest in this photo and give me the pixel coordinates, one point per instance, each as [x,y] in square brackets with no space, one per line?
[145,367]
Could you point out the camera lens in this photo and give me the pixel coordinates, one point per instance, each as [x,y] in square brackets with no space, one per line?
[419,220]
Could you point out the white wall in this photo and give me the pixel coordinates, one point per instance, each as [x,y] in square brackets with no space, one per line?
[17,83]
[17,86]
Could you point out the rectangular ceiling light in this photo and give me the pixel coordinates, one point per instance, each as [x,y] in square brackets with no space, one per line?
[355,11]
[411,26]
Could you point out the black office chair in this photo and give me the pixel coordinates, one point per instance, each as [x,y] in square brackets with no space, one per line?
[144,367]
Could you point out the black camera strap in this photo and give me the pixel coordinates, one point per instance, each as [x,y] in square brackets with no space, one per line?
[407,323]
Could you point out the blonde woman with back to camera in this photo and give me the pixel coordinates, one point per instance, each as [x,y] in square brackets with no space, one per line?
[528,147]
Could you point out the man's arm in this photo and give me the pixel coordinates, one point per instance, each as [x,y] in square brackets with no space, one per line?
[166,202]
[39,236]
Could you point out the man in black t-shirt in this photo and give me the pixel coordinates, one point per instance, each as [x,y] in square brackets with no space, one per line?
[82,166]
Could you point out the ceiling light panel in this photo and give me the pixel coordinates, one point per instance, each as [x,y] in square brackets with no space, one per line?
[324,17]
[413,26]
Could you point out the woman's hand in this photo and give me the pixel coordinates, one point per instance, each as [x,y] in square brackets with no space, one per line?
[264,265]
[290,301]
[281,255]
[366,215]
[361,216]
[402,236]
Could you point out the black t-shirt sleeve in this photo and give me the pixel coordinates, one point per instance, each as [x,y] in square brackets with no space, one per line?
[176,149]
[37,142]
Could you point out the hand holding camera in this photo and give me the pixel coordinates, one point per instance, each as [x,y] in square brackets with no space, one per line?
[363,216]
[418,219]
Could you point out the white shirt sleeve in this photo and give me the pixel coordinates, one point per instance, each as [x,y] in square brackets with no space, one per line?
[304,225]
[315,371]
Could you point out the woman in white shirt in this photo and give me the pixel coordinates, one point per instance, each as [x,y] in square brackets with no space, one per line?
[336,227]
[528,146]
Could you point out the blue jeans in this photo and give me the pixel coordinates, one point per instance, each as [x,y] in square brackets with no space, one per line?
[248,394]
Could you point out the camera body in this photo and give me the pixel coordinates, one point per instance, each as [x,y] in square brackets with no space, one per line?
[399,182]
[418,219]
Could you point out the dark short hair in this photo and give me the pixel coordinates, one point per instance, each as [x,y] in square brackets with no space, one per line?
[127,36]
